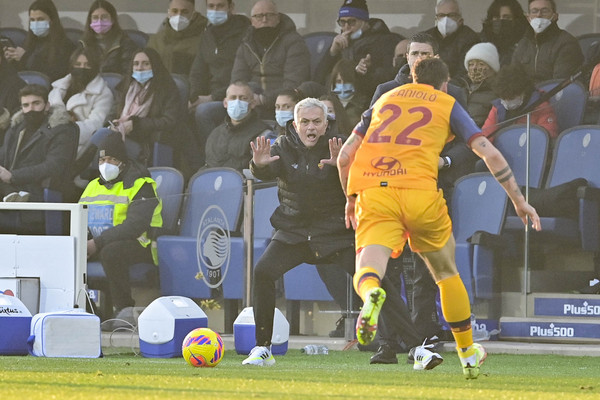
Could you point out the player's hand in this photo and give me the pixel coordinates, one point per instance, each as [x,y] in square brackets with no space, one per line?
[14,53]
[525,211]
[261,152]
[349,217]
[340,42]
[335,145]
[363,65]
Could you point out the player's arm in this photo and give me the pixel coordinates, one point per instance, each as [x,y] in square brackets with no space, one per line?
[344,161]
[499,167]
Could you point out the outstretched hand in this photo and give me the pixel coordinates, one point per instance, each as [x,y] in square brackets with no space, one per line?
[335,145]
[261,152]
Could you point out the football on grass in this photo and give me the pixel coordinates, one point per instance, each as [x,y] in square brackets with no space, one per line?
[202,347]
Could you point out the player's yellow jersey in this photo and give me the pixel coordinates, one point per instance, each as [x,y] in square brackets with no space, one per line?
[403,135]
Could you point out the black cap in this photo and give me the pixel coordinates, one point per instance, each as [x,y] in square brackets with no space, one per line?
[112,145]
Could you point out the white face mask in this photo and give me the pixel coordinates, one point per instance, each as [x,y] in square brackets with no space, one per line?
[447,26]
[357,34]
[512,104]
[109,171]
[179,22]
[539,25]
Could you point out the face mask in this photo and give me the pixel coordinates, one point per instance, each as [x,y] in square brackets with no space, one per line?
[283,116]
[33,120]
[447,26]
[39,28]
[539,25]
[502,27]
[101,26]
[237,109]
[216,17]
[355,35]
[331,116]
[344,91]
[109,171]
[512,104]
[82,75]
[179,22]
[142,76]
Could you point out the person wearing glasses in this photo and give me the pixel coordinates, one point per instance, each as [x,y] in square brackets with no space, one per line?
[272,56]
[367,42]
[546,51]
[453,36]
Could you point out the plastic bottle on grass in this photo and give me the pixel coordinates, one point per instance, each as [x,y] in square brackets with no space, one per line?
[314,349]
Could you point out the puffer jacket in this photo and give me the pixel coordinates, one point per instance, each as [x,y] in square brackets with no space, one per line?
[454,47]
[311,198]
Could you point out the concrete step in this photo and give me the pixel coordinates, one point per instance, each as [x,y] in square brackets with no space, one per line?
[551,329]
[564,305]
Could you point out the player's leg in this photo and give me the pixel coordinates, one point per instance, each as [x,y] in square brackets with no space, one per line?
[455,306]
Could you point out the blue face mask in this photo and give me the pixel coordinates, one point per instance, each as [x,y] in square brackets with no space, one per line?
[216,17]
[142,76]
[237,109]
[39,28]
[344,91]
[283,116]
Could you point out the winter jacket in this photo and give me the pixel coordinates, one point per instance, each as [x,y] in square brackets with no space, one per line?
[312,203]
[211,70]
[284,65]
[36,58]
[479,98]
[90,107]
[178,49]
[454,47]
[552,54]
[229,145]
[377,41]
[45,156]
[10,84]
[117,58]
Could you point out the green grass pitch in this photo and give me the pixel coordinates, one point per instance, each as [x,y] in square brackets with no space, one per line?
[339,375]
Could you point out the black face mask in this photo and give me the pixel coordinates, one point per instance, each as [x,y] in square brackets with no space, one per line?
[503,27]
[33,120]
[399,62]
[83,75]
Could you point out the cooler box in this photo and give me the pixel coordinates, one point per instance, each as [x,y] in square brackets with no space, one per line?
[15,320]
[165,323]
[244,335]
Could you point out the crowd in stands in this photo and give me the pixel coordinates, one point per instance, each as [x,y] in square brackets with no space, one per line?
[246,75]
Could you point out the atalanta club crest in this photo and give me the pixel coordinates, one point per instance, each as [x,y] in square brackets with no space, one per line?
[213,246]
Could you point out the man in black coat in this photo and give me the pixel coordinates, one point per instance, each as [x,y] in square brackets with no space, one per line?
[39,148]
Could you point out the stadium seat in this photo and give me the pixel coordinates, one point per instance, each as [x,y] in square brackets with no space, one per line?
[183,84]
[304,283]
[35,77]
[512,140]
[17,35]
[576,155]
[318,43]
[569,103]
[74,34]
[478,211]
[199,253]
[586,41]
[140,38]
[113,80]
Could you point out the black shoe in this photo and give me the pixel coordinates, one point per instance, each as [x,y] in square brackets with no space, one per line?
[384,355]
[339,330]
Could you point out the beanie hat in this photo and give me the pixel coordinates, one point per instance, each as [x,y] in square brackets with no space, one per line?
[354,8]
[112,145]
[485,52]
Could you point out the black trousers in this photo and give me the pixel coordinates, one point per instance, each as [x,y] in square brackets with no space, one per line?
[277,259]
[116,258]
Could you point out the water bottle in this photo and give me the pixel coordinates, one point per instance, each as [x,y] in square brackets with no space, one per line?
[315,349]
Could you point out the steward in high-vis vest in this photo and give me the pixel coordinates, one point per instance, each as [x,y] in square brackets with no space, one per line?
[124,213]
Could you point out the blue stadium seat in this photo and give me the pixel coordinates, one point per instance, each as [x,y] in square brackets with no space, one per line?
[569,103]
[74,34]
[17,35]
[318,43]
[478,205]
[586,41]
[112,79]
[304,283]
[211,212]
[140,38]
[35,77]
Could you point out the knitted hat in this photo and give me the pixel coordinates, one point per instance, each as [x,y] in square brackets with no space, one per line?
[354,8]
[112,145]
[485,52]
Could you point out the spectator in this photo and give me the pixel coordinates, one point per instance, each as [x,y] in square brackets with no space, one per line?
[482,63]
[337,113]
[38,151]
[229,143]
[272,56]
[504,25]
[453,36]
[516,93]
[83,92]
[46,48]
[400,52]
[10,84]
[211,71]
[102,29]
[546,51]
[343,83]
[366,42]
[284,108]
[121,232]
[179,36]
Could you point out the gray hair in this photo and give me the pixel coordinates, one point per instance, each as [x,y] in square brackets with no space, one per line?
[441,2]
[309,102]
